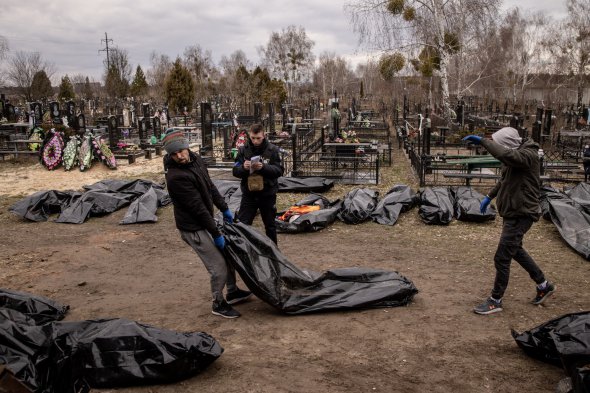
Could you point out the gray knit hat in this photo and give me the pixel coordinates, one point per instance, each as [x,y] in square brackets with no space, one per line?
[174,141]
[507,137]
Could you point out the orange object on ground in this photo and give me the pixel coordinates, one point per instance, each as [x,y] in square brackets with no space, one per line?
[298,210]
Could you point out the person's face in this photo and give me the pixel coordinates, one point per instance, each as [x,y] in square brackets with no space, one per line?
[256,138]
[181,156]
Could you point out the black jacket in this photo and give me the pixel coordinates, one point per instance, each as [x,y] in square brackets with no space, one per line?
[518,190]
[193,195]
[272,167]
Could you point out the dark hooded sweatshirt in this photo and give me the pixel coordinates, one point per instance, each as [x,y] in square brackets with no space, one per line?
[518,190]
[193,195]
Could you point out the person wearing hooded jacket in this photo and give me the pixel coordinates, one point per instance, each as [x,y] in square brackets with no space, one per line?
[261,194]
[586,159]
[193,196]
[517,199]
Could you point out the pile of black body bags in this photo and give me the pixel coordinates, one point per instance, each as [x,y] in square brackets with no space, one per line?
[438,206]
[564,342]
[44,355]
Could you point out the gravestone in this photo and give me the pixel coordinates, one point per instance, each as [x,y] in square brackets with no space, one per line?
[548,121]
[157,127]
[113,132]
[536,134]
[271,117]
[10,113]
[257,112]
[207,129]
[37,112]
[145,110]
[81,123]
[144,126]
[54,111]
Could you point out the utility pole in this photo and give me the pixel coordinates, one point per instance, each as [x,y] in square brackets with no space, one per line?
[106,41]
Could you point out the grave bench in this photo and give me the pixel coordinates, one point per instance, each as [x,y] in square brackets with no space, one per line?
[470,176]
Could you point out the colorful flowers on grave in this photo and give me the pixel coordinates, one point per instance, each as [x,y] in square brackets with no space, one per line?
[36,135]
[102,151]
[350,137]
[71,153]
[85,152]
[52,153]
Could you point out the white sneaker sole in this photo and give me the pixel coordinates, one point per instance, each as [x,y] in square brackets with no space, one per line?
[223,315]
[495,310]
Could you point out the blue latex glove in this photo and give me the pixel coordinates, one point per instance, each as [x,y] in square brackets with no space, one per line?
[228,217]
[220,242]
[484,204]
[476,140]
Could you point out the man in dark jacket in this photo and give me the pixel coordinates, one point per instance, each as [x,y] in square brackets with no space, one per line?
[586,160]
[258,164]
[517,199]
[193,195]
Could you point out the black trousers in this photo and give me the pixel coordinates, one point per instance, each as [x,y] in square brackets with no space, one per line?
[510,247]
[267,204]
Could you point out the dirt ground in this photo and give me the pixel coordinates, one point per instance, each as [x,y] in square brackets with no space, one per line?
[436,344]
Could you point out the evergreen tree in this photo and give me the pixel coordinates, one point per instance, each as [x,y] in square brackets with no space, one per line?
[116,85]
[66,89]
[179,87]
[139,86]
[41,86]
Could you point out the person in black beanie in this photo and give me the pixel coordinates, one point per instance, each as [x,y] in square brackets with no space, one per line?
[193,195]
[258,164]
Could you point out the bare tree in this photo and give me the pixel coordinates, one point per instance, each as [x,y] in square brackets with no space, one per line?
[3,47]
[23,66]
[118,76]
[332,74]
[231,79]
[288,56]
[201,67]
[521,37]
[569,44]
[428,27]
[78,81]
[156,75]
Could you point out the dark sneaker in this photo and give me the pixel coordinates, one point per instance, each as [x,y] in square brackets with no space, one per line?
[543,294]
[488,307]
[237,296]
[223,309]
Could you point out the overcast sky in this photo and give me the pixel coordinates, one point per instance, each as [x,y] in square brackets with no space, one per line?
[69,32]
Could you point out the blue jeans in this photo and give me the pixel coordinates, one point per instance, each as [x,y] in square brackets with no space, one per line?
[510,247]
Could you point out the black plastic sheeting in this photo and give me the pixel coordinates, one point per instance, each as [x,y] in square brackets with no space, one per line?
[38,308]
[358,205]
[231,192]
[467,202]
[98,199]
[276,281]
[305,184]
[436,206]
[581,195]
[57,357]
[563,341]
[400,198]
[312,221]
[569,216]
